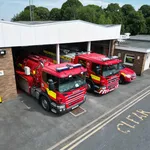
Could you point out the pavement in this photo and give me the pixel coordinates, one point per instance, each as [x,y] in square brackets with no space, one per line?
[26,126]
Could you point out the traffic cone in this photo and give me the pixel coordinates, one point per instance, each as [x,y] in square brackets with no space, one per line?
[0,99]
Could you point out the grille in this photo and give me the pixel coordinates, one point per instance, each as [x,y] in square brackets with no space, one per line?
[75,98]
[112,83]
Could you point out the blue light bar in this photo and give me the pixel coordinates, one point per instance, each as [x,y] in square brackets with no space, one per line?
[62,69]
[68,67]
[77,65]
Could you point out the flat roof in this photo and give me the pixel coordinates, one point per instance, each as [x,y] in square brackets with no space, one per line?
[142,46]
[140,37]
[16,34]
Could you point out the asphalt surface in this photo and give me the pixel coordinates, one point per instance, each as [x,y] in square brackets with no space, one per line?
[26,126]
[136,136]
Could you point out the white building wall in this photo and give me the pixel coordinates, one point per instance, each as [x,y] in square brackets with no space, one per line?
[147,62]
[16,34]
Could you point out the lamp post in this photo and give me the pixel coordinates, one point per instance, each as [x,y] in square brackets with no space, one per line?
[31,10]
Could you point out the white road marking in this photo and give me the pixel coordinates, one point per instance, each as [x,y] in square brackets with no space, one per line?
[26,105]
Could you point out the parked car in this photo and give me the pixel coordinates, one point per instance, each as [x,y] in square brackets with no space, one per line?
[126,74]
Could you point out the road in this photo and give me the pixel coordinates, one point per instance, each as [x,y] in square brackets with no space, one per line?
[26,126]
[127,129]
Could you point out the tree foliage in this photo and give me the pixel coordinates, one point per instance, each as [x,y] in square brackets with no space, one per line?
[69,9]
[135,22]
[55,14]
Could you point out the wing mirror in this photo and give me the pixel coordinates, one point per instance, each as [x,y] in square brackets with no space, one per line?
[51,85]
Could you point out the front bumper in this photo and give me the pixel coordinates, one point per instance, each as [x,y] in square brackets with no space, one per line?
[107,90]
[130,79]
[60,109]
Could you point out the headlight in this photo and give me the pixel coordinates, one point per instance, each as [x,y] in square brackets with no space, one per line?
[61,107]
[128,76]
[103,88]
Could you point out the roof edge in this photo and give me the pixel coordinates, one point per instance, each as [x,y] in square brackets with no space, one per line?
[58,22]
[134,49]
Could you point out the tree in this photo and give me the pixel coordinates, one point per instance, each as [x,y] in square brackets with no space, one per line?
[113,7]
[42,13]
[127,9]
[113,11]
[55,14]
[91,13]
[145,9]
[69,9]
[135,23]
[38,13]
[148,25]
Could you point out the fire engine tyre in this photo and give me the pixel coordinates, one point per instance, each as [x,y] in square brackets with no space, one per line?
[122,80]
[45,103]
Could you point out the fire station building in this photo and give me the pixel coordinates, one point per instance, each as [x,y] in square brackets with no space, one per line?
[35,37]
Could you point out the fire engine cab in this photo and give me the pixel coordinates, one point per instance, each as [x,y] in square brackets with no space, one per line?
[58,87]
[103,72]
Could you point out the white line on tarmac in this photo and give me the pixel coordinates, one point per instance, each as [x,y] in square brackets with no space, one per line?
[81,129]
[26,105]
[110,117]
[100,127]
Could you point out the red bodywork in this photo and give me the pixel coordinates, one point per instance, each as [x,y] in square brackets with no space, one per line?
[40,64]
[128,74]
[102,84]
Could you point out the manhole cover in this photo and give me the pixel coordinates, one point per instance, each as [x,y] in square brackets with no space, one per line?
[77,111]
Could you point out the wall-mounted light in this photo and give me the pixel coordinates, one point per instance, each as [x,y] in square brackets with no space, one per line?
[2,52]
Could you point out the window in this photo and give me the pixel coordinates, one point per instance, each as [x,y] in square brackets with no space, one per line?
[47,76]
[82,62]
[96,68]
[109,70]
[129,60]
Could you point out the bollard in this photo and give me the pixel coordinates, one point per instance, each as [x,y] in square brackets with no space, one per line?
[0,99]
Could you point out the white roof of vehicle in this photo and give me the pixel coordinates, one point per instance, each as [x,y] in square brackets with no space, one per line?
[13,34]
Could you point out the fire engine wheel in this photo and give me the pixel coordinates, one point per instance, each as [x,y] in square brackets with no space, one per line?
[121,81]
[45,103]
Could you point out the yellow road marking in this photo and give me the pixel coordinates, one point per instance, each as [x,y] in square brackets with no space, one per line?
[97,128]
[94,121]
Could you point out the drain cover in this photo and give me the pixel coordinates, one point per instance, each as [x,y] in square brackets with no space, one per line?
[77,111]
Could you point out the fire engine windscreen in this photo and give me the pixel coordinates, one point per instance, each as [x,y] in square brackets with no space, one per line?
[72,82]
[109,70]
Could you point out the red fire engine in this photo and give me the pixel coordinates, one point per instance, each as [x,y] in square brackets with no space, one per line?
[58,87]
[103,72]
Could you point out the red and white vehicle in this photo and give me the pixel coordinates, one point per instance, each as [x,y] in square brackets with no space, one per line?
[102,72]
[58,87]
[126,74]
